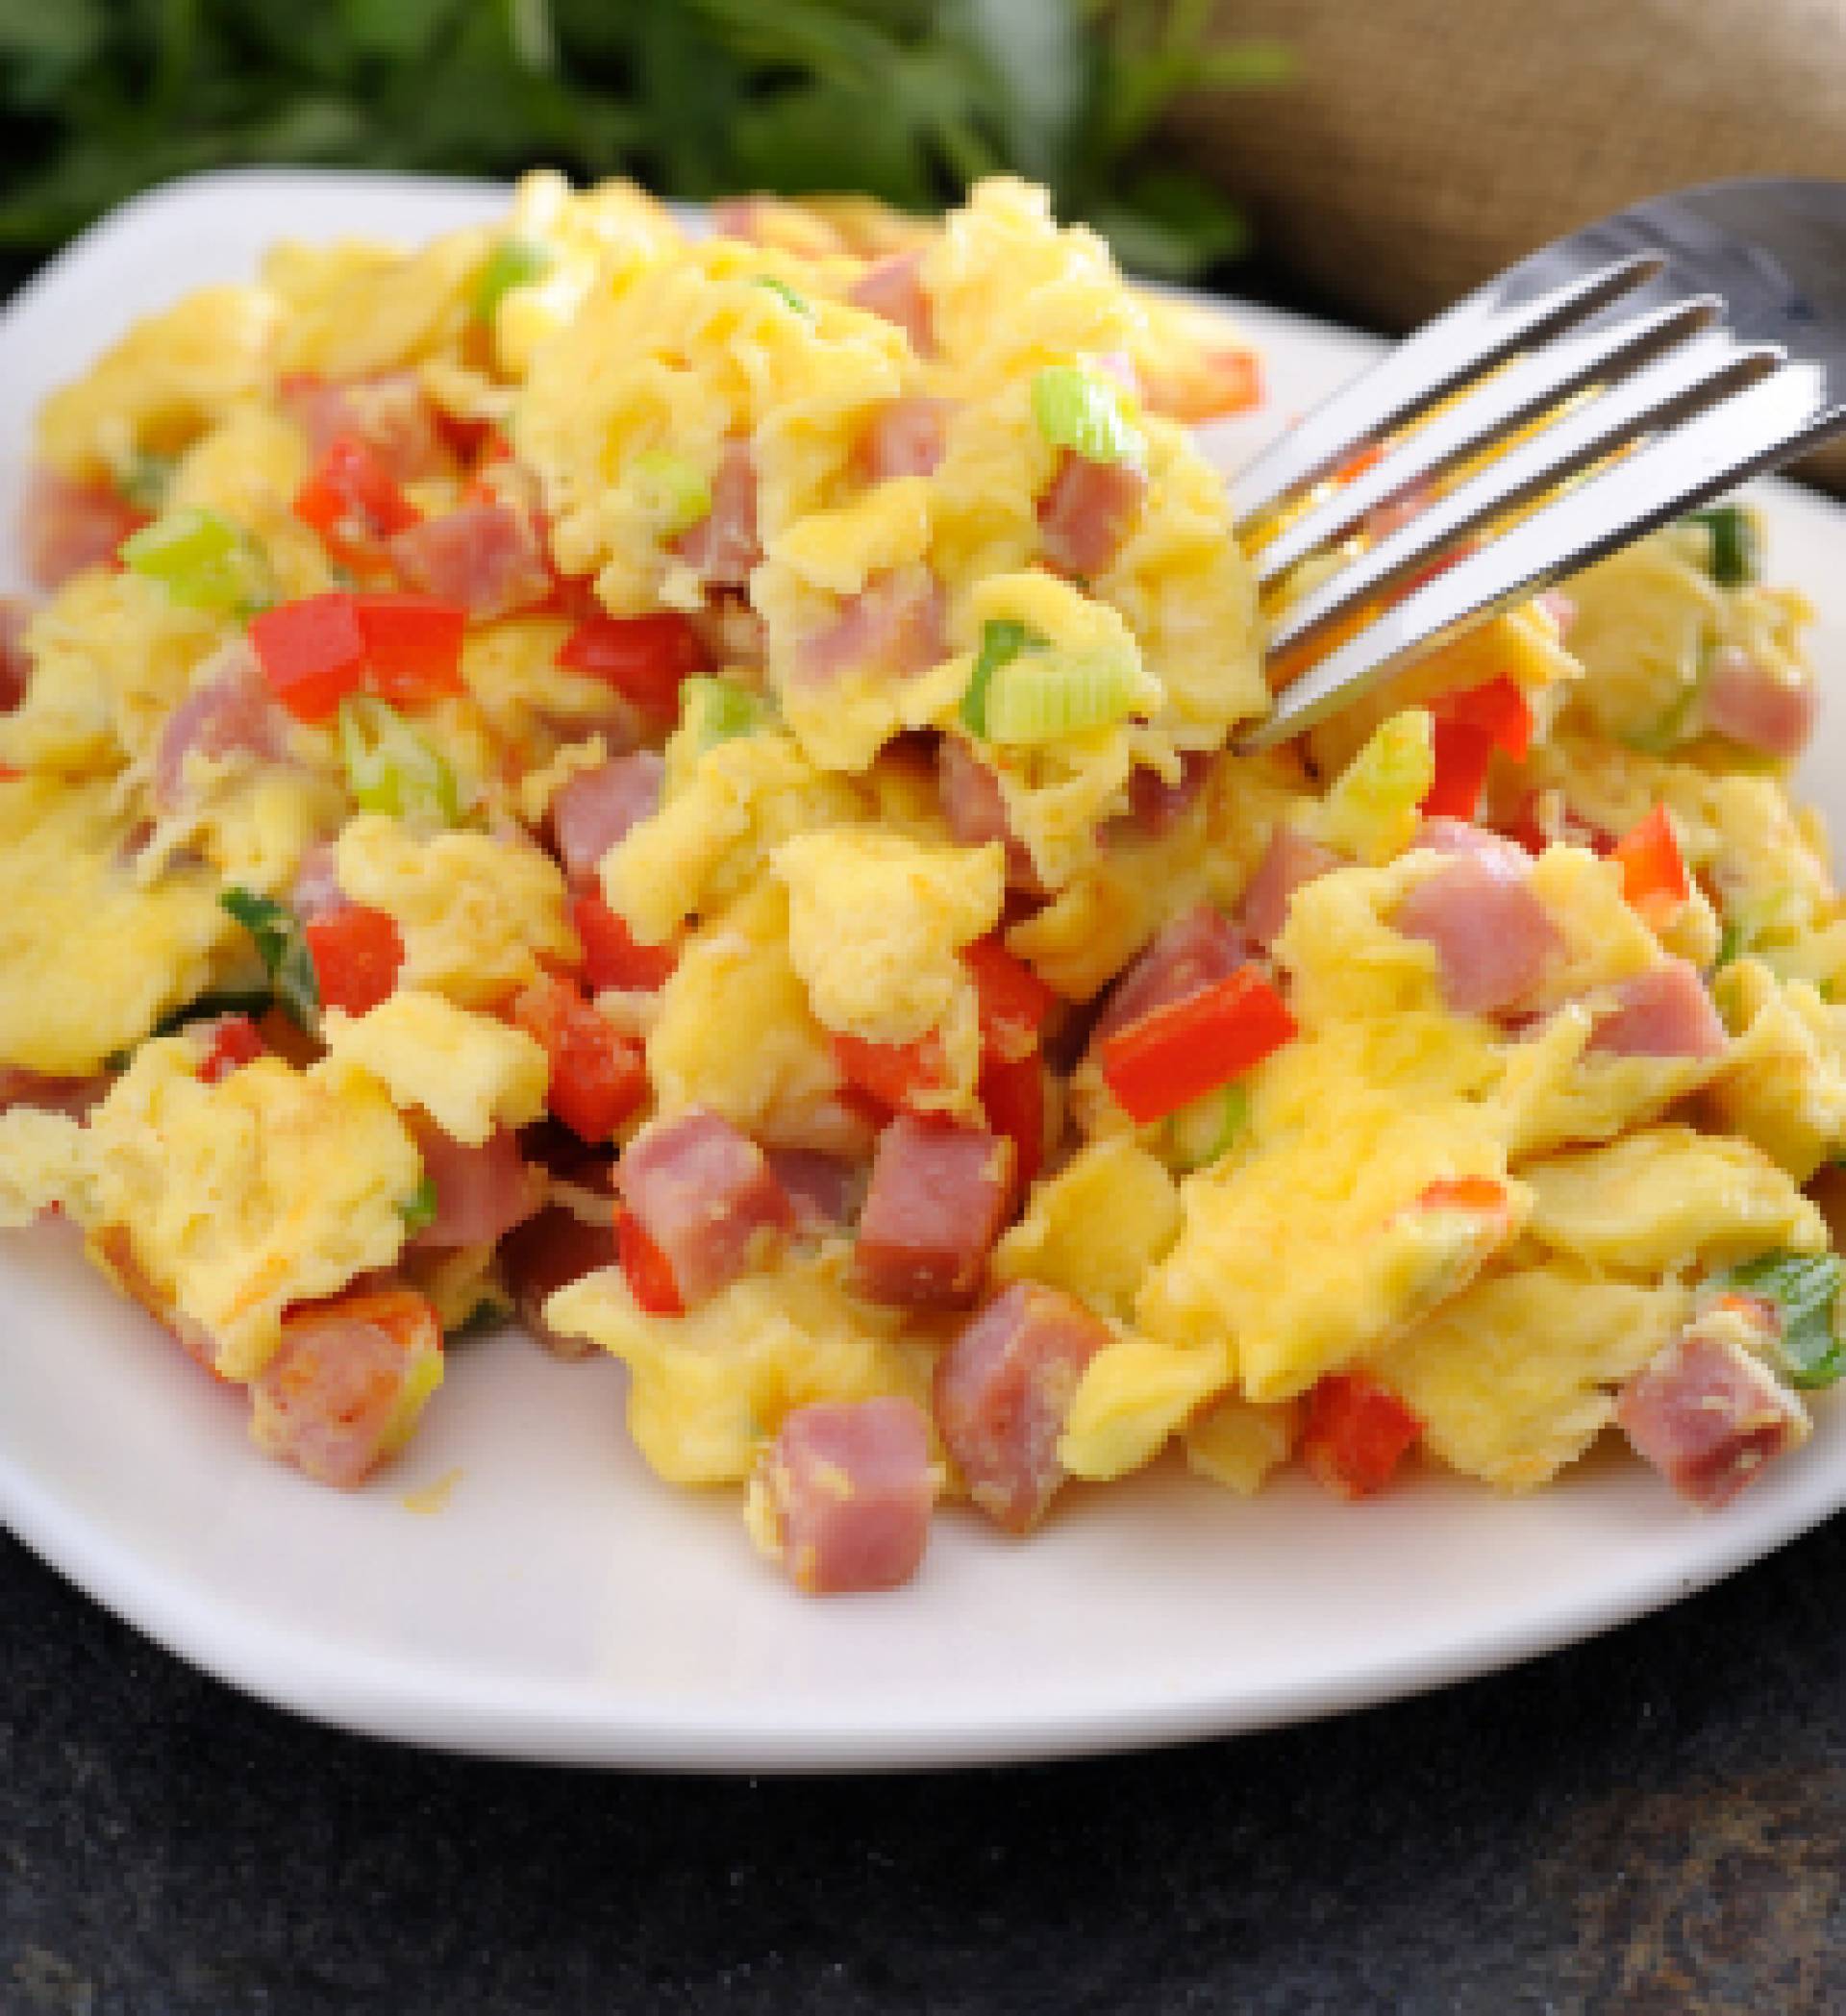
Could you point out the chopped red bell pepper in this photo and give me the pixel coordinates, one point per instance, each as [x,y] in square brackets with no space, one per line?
[645,657]
[598,1077]
[356,953]
[1177,1052]
[1653,869]
[412,647]
[1463,751]
[648,1270]
[612,957]
[1014,1001]
[1012,1095]
[1500,706]
[352,499]
[893,1074]
[1357,1433]
[312,653]
[235,1041]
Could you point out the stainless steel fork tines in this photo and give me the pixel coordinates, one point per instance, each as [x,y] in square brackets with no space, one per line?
[1637,369]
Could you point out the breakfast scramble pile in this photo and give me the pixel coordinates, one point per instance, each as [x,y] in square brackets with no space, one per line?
[686,788]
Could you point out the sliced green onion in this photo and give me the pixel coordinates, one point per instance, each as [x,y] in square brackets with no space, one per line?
[672,490]
[1733,942]
[1736,550]
[1043,696]
[715,711]
[418,1210]
[1001,642]
[1078,411]
[1804,1288]
[146,481]
[203,561]
[513,263]
[798,302]
[283,949]
[1199,1134]
[1669,730]
[390,768]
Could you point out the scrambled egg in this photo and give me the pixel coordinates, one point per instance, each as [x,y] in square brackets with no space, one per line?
[638,455]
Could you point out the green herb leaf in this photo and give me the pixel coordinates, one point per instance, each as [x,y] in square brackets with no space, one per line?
[418,1210]
[1079,410]
[1803,1288]
[1736,558]
[1000,643]
[208,1008]
[1733,942]
[145,484]
[283,949]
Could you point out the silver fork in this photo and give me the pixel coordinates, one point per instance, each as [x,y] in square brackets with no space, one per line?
[1704,333]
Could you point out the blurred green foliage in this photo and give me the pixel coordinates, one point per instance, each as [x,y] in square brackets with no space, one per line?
[903,98]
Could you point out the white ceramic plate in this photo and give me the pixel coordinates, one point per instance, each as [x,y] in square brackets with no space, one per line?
[563,1604]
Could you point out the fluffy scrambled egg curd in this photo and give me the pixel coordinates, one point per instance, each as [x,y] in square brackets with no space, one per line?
[685,786]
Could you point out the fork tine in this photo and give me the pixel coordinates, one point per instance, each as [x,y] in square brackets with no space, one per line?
[1470,337]
[1522,392]
[1684,378]
[1760,428]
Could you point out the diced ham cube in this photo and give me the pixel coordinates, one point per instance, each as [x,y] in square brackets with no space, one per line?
[16,667]
[1662,1012]
[233,710]
[894,624]
[1154,807]
[346,1384]
[1559,607]
[481,1193]
[976,810]
[938,1195]
[487,558]
[316,891]
[1745,700]
[1291,862]
[597,808]
[391,415]
[1465,841]
[1085,515]
[1710,1415]
[705,1195]
[848,1489]
[906,438]
[824,1191]
[723,546]
[1003,1389]
[1194,952]
[66,527]
[893,290]
[74,1096]
[1396,512]
[552,1249]
[1492,935]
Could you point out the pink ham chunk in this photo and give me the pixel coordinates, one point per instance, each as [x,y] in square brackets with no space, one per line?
[485,556]
[1664,1012]
[1493,939]
[937,1198]
[66,527]
[1003,1389]
[598,807]
[16,667]
[824,1191]
[316,891]
[231,711]
[1194,952]
[723,547]
[1745,700]
[481,1193]
[1710,1416]
[1085,515]
[848,1487]
[973,805]
[1291,862]
[333,1400]
[1467,841]
[389,414]
[706,1196]
[893,290]
[552,1249]
[1559,607]
[894,626]
[906,438]
[1154,807]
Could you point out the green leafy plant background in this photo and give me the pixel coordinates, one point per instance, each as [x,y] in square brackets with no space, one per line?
[902,98]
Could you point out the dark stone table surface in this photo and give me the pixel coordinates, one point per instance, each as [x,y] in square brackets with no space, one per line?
[1654,1821]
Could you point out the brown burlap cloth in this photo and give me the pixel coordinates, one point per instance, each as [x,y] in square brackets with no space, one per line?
[1422,144]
